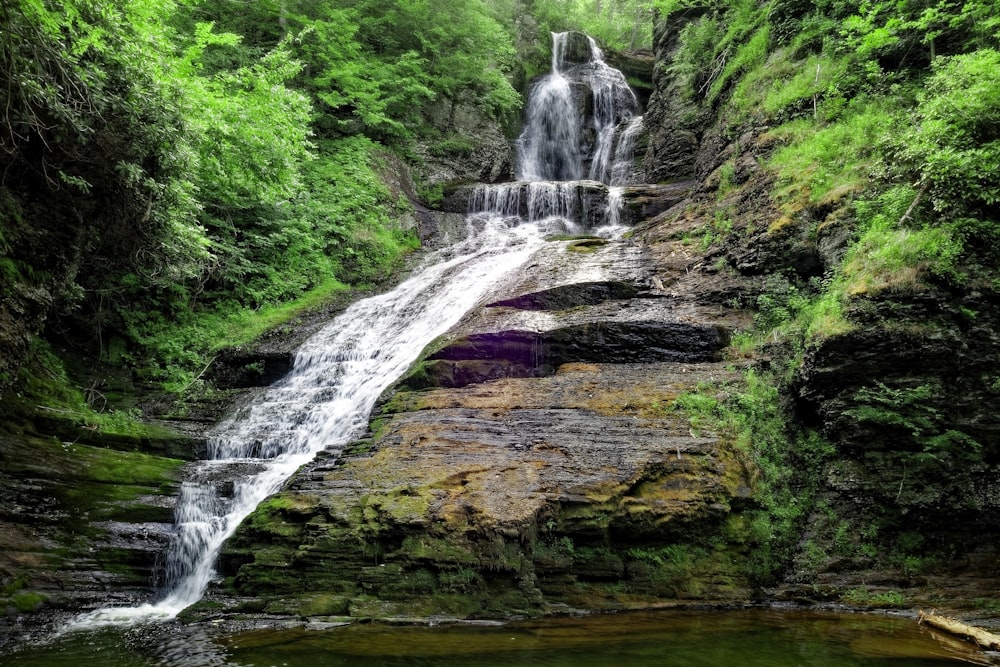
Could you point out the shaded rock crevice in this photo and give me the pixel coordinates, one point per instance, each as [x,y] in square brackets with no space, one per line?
[487,356]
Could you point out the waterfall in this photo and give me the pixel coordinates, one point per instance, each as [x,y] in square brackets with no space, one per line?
[556,144]
[548,145]
[324,403]
[623,166]
[613,211]
[339,373]
[580,122]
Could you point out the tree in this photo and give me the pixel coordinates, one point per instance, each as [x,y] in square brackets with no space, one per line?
[93,155]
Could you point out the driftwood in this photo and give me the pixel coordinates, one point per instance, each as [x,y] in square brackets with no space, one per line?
[982,638]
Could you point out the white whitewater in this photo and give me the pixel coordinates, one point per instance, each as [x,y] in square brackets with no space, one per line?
[338,374]
[561,144]
[324,403]
[553,145]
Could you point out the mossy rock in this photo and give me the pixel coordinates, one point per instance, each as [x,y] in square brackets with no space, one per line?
[586,245]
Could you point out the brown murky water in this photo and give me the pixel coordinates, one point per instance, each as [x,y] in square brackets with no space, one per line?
[754,638]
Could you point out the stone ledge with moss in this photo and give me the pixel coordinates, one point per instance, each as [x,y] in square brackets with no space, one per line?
[555,475]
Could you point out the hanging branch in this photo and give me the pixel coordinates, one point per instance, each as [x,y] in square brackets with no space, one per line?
[913,204]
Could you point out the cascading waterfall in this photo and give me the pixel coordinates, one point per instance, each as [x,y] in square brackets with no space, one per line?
[563,143]
[324,403]
[549,144]
[623,166]
[613,213]
[338,374]
[614,109]
[554,145]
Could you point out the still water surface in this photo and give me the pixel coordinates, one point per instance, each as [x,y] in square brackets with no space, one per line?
[753,638]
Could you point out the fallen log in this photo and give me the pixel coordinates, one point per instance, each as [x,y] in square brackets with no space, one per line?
[982,638]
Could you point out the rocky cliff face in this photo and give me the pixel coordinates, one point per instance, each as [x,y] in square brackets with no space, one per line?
[905,505]
[86,508]
[909,500]
[81,525]
[675,125]
[529,464]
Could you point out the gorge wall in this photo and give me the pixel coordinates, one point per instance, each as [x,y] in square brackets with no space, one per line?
[541,458]
[905,504]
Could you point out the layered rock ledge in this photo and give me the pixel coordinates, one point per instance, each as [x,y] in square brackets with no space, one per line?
[557,476]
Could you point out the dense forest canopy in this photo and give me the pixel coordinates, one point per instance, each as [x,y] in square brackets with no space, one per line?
[172,167]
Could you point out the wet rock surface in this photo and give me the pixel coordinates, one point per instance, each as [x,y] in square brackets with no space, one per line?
[81,526]
[537,467]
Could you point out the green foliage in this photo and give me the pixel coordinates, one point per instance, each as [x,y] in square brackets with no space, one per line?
[785,87]
[892,256]
[825,163]
[952,145]
[46,386]
[378,67]
[747,56]
[618,25]
[780,462]
[785,311]
[673,569]
[94,130]
[912,412]
[694,66]
[716,49]
[868,598]
[351,84]
[248,128]
[894,32]
[201,163]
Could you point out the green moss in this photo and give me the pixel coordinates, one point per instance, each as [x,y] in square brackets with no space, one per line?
[323,604]
[779,461]
[460,580]
[420,375]
[586,245]
[288,503]
[200,610]
[95,483]
[437,550]
[114,467]
[868,598]
[15,594]
[399,506]
[28,601]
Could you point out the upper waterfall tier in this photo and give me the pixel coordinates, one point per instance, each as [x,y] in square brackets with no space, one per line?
[580,120]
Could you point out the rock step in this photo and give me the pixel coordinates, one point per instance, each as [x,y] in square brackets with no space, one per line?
[517,353]
[511,494]
[586,200]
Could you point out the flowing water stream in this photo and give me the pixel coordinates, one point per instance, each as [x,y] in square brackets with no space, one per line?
[325,401]
[339,373]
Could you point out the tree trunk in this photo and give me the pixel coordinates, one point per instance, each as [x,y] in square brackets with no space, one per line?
[982,638]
